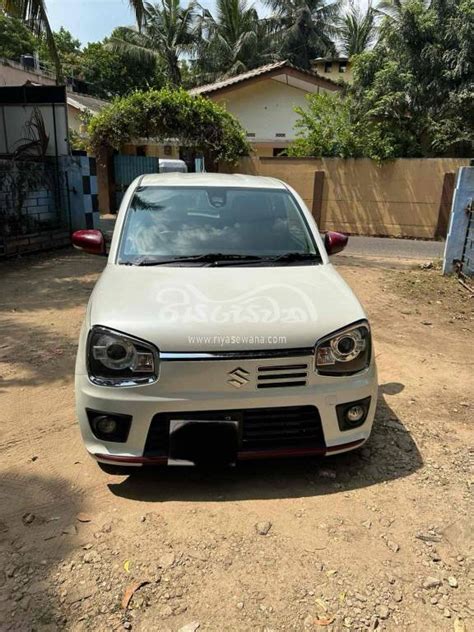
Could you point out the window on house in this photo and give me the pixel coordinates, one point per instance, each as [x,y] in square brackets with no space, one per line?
[343,66]
[328,66]
[280,135]
[141,150]
[251,134]
[278,151]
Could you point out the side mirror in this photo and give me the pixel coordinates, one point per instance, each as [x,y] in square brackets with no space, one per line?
[91,241]
[335,242]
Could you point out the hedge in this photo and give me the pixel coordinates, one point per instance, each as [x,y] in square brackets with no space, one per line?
[169,114]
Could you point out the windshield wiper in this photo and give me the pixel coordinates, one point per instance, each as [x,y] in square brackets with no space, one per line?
[295,256]
[207,258]
[219,257]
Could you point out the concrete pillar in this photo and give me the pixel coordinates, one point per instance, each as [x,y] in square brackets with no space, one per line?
[105,181]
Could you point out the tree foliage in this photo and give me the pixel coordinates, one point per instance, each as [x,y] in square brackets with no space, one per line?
[305,28]
[328,128]
[356,29]
[15,38]
[34,14]
[163,114]
[110,73]
[168,32]
[68,49]
[418,79]
[413,93]
[233,41]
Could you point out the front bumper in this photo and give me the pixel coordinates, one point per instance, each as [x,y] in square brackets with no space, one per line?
[187,387]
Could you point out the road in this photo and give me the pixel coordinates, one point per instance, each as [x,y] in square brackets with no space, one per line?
[408,249]
[378,247]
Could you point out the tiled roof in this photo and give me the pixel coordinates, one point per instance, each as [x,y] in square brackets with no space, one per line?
[86,103]
[339,58]
[256,72]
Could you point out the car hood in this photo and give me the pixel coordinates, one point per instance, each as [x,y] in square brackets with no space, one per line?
[224,308]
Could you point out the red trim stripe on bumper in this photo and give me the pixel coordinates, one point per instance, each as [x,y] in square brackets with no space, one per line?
[289,452]
[249,455]
[132,460]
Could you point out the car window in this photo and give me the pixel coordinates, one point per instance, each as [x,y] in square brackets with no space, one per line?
[192,221]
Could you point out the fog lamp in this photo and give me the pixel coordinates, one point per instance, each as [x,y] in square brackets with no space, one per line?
[109,426]
[354,414]
[106,425]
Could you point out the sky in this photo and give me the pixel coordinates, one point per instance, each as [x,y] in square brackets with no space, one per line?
[92,20]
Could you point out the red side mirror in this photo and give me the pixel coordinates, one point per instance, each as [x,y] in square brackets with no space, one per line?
[91,241]
[335,242]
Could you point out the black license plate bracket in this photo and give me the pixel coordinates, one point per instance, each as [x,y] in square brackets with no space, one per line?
[205,439]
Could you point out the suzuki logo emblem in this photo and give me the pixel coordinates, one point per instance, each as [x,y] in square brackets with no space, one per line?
[238,378]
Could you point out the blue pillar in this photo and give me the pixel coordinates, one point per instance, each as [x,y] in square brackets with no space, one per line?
[461,226]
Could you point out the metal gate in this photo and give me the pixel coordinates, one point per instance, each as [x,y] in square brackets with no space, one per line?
[34,206]
[127,168]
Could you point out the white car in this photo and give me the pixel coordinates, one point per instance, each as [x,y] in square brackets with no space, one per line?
[219,331]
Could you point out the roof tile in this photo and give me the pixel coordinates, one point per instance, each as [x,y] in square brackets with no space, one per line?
[251,74]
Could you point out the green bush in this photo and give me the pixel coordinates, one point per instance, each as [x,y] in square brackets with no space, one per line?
[331,127]
[170,114]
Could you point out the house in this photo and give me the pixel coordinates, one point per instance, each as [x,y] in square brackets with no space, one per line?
[264,101]
[81,107]
[335,68]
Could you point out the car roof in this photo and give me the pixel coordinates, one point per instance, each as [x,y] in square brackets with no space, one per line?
[211,180]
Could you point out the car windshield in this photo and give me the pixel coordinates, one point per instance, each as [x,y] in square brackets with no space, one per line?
[166,223]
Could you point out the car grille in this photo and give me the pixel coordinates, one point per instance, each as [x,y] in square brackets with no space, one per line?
[283,376]
[282,427]
[260,428]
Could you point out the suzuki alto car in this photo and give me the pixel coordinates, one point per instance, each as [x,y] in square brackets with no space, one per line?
[219,330]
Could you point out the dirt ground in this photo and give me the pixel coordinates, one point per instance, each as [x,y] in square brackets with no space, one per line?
[379,539]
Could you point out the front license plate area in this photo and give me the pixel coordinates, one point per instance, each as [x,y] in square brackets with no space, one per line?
[204,441]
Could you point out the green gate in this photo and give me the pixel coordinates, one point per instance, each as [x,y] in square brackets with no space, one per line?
[127,168]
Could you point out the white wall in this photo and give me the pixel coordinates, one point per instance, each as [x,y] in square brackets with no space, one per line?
[13,131]
[13,74]
[266,108]
[74,120]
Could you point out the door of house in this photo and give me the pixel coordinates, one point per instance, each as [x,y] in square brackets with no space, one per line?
[127,168]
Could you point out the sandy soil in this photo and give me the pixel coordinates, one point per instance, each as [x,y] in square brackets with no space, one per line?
[380,539]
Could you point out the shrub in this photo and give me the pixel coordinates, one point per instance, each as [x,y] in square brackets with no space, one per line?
[167,114]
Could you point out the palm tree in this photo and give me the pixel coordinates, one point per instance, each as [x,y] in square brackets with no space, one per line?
[306,28]
[168,31]
[34,13]
[390,8]
[356,29]
[233,41]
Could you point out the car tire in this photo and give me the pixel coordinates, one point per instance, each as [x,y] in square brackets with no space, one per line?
[117,470]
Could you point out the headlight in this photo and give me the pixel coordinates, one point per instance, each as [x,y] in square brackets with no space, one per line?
[344,352]
[115,359]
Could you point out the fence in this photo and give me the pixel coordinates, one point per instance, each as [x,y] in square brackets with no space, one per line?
[401,198]
[34,206]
